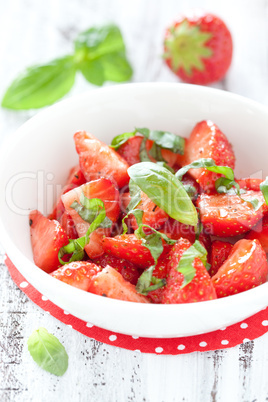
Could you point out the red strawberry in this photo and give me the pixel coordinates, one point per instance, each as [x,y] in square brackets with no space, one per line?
[110,283]
[175,230]
[207,141]
[153,215]
[260,232]
[59,207]
[199,289]
[130,248]
[245,268]
[130,150]
[98,159]
[76,176]
[47,237]
[220,251]
[160,272]
[109,194]
[250,183]
[68,225]
[128,270]
[228,215]
[78,274]
[198,48]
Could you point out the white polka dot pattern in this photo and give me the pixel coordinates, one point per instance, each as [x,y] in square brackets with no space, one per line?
[24,284]
[112,338]
[159,349]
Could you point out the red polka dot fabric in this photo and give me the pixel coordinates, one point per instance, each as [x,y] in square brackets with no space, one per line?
[245,331]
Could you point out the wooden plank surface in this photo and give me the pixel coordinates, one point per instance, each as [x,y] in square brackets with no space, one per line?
[33,31]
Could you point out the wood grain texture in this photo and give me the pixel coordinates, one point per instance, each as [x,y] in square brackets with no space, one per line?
[33,31]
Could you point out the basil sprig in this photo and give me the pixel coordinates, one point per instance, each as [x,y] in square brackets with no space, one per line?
[92,211]
[47,351]
[165,190]
[185,266]
[162,140]
[99,53]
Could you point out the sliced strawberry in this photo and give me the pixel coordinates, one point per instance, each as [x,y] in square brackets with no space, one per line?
[78,274]
[68,225]
[128,270]
[175,230]
[76,176]
[207,141]
[250,183]
[47,237]
[98,159]
[153,215]
[59,207]
[160,272]
[220,251]
[109,194]
[130,150]
[245,268]
[199,289]
[260,232]
[110,283]
[130,248]
[229,215]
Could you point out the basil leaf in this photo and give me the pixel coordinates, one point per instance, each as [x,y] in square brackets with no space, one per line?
[185,265]
[121,139]
[164,139]
[165,165]
[264,189]
[223,185]
[190,190]
[89,209]
[96,216]
[135,194]
[208,164]
[47,351]
[41,85]
[100,55]
[165,190]
[144,157]
[144,282]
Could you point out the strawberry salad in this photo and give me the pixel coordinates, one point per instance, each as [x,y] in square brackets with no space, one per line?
[156,218]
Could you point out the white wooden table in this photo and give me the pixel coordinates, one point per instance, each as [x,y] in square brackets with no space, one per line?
[35,31]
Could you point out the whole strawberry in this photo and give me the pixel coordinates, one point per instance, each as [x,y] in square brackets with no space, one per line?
[198,48]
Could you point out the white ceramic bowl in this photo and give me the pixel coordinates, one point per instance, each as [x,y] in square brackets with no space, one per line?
[38,156]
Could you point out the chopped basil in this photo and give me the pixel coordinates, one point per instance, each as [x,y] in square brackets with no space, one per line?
[92,211]
[121,139]
[47,351]
[264,189]
[185,265]
[208,164]
[144,282]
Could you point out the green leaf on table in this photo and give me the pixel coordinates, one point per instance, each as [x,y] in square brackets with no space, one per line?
[41,85]
[165,190]
[47,351]
[185,265]
[100,55]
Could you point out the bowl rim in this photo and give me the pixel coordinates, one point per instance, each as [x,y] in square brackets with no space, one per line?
[33,274]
